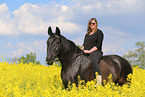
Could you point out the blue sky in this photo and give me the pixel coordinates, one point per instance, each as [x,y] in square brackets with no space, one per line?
[24,23]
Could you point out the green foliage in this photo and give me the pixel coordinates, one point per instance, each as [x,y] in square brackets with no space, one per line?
[137,57]
[79,46]
[29,58]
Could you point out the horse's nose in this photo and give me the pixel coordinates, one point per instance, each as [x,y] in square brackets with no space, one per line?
[49,61]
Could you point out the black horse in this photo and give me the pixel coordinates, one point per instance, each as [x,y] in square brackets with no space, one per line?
[75,64]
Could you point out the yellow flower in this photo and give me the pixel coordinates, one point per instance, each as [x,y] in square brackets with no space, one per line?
[31,80]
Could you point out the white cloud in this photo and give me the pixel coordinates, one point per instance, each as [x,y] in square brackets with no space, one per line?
[16,53]
[79,41]
[87,8]
[67,26]
[6,25]
[34,19]
[8,45]
[114,40]
[7,28]
[32,22]
[64,8]
[99,5]
[27,21]
[115,47]
[5,14]
[22,48]
[110,7]
[114,31]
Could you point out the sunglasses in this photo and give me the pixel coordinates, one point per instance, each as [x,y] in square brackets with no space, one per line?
[92,23]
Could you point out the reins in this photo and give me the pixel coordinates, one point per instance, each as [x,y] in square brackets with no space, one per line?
[77,56]
[71,58]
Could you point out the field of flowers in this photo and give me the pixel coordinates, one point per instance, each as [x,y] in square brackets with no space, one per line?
[31,80]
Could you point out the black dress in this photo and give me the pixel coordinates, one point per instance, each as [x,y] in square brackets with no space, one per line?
[90,41]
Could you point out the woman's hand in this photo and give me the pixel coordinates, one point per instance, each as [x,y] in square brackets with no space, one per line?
[91,50]
[86,51]
[82,48]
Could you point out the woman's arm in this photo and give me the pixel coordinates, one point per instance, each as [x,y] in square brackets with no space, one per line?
[100,37]
[91,50]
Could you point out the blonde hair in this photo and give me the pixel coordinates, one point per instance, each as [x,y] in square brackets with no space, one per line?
[89,30]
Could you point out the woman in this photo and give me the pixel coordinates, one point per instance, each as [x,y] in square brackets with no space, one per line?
[93,46]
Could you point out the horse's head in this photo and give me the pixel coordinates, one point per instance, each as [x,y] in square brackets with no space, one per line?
[53,44]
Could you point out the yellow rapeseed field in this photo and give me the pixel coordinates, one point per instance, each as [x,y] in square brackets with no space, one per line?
[31,80]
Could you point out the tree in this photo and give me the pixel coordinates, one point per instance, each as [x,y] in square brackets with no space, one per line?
[137,57]
[29,58]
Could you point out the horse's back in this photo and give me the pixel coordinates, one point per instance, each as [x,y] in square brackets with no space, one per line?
[115,65]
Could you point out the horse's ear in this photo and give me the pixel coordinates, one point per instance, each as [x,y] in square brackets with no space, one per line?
[57,31]
[49,31]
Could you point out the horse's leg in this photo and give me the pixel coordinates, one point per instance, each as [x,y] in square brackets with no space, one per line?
[125,70]
[64,80]
[88,74]
[107,69]
[85,75]
[85,69]
[122,80]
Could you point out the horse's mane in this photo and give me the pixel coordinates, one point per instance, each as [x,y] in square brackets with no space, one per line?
[69,45]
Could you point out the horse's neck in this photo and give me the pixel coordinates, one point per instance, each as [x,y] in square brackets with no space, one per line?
[67,51]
